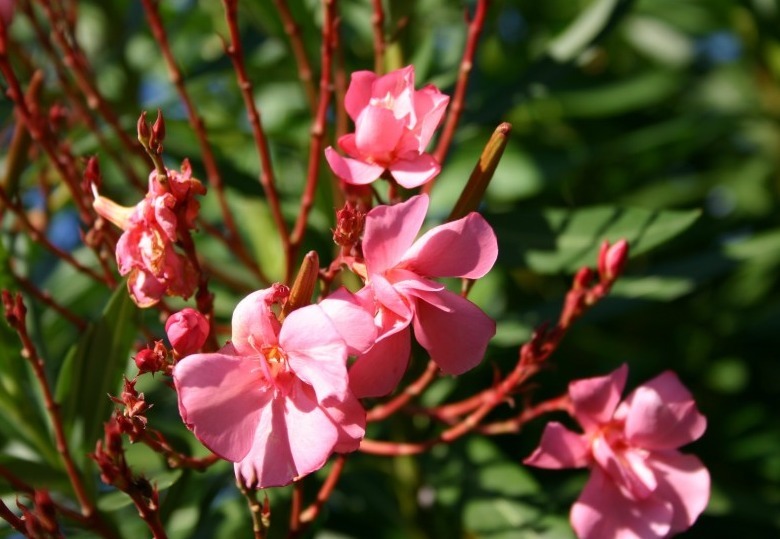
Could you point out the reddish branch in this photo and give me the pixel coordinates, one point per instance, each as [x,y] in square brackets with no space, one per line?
[317,129]
[378,23]
[267,180]
[308,515]
[476,23]
[293,32]
[411,391]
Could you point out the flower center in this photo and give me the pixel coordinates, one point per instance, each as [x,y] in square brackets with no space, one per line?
[386,102]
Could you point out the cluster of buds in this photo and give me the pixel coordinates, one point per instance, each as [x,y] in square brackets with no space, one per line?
[611,261]
[41,520]
[350,221]
[154,359]
[131,419]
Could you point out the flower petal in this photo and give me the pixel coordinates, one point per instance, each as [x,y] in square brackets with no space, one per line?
[295,439]
[315,351]
[595,399]
[559,448]
[350,170]
[684,482]
[661,414]
[456,340]
[390,231]
[464,248]
[349,416]
[377,132]
[429,105]
[359,92]
[415,171]
[377,372]
[353,322]
[254,323]
[221,399]
[603,512]
[626,468]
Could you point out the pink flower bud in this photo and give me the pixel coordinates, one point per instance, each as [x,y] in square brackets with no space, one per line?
[187,330]
[612,259]
[349,225]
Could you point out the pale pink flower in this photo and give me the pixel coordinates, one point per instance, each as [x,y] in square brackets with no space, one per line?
[275,400]
[187,330]
[640,486]
[399,289]
[393,125]
[145,251]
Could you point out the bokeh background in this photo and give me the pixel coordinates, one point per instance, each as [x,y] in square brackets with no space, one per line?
[658,120]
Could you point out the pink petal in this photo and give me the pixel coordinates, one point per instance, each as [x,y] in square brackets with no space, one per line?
[684,482]
[595,399]
[391,298]
[377,132]
[350,170]
[602,512]
[455,340]
[415,171]
[353,322]
[144,288]
[662,414]
[221,399]
[295,439]
[377,372]
[359,92]
[626,468]
[349,416]
[315,351]
[398,85]
[464,248]
[429,105]
[559,448]
[254,323]
[390,231]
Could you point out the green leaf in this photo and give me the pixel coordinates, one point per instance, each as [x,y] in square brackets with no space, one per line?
[586,29]
[560,240]
[93,368]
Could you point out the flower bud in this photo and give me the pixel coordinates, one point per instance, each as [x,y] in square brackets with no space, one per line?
[187,330]
[151,359]
[612,259]
[143,130]
[349,225]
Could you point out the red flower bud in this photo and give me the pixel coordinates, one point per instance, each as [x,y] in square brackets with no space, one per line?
[612,259]
[349,225]
[187,330]
[151,359]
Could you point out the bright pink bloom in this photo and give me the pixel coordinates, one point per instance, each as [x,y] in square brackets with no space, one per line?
[399,289]
[640,486]
[275,400]
[187,330]
[393,125]
[145,251]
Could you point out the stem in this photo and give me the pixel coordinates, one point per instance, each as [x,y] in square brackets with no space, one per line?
[293,32]
[295,509]
[317,131]
[267,179]
[12,519]
[260,514]
[378,23]
[416,388]
[476,23]
[312,511]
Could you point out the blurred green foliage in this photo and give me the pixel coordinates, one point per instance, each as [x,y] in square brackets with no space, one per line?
[657,120]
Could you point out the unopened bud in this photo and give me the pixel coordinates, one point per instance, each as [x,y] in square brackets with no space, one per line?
[583,278]
[44,509]
[143,130]
[92,178]
[187,331]
[303,287]
[158,133]
[349,225]
[612,259]
[151,359]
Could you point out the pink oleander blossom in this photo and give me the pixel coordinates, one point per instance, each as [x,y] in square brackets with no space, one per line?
[146,250]
[400,291]
[275,400]
[640,486]
[187,330]
[393,125]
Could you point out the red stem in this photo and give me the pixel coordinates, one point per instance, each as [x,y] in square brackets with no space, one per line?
[310,513]
[293,32]
[378,23]
[267,180]
[317,130]
[416,388]
[456,105]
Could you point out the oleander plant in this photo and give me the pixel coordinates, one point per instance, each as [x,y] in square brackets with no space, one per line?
[389,268]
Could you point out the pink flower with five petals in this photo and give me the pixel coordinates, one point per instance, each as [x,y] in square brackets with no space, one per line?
[400,290]
[275,400]
[640,486]
[393,125]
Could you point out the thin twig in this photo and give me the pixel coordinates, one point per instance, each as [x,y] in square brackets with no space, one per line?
[305,73]
[378,23]
[414,389]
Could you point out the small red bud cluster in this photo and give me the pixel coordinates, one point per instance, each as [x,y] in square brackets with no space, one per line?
[154,359]
[350,221]
[131,420]
[41,520]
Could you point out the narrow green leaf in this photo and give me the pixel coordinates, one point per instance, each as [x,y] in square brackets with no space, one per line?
[560,240]
[93,368]
[585,29]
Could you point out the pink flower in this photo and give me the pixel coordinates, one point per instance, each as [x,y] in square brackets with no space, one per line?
[640,486]
[275,400]
[399,289]
[187,330]
[393,125]
[145,251]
